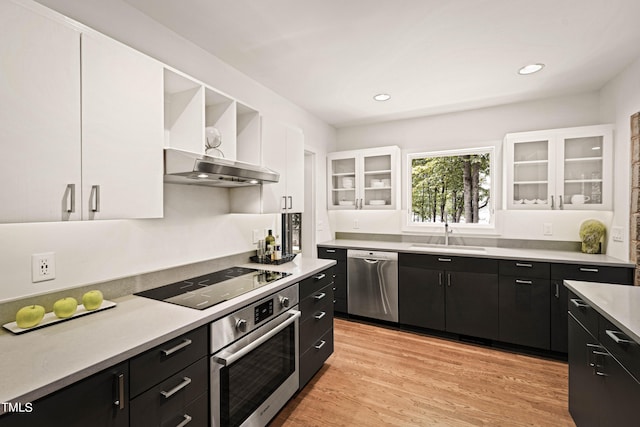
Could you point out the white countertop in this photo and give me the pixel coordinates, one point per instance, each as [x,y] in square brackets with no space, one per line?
[490,252]
[619,304]
[42,361]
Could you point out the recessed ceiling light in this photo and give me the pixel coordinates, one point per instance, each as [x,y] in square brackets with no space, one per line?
[382,97]
[530,69]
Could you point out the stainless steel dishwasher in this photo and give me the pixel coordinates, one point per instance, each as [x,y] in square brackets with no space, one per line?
[372,284]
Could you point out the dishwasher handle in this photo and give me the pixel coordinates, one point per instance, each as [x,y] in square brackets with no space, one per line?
[371,261]
[372,255]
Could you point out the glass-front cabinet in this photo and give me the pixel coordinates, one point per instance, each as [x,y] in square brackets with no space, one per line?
[560,168]
[364,179]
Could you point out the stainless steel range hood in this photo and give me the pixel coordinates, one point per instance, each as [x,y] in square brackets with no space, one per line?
[185,167]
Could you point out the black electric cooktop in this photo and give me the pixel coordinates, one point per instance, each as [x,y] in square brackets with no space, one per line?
[210,289]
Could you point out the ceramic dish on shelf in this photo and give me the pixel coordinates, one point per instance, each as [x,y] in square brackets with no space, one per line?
[345,202]
[377,202]
[377,183]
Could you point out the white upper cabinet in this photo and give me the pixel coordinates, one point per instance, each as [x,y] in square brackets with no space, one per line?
[122,138]
[560,169]
[283,152]
[364,179]
[39,116]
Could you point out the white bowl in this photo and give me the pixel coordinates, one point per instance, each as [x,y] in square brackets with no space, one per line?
[345,202]
[377,183]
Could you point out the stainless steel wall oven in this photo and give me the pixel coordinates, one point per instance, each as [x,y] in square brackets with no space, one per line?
[254,362]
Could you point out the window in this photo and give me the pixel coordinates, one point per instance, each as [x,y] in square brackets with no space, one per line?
[451,187]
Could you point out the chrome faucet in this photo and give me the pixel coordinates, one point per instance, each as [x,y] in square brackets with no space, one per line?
[446,233]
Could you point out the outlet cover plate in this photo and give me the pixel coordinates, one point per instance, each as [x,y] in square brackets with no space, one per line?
[43,267]
[616,234]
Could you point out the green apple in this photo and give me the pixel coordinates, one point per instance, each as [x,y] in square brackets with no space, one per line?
[65,307]
[92,300]
[29,316]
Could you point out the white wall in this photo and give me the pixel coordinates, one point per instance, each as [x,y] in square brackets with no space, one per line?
[197,225]
[475,128]
[620,98]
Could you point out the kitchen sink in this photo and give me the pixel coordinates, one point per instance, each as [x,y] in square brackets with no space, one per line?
[461,249]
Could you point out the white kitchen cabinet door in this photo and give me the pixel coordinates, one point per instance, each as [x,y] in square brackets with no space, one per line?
[122,131]
[283,151]
[39,116]
[560,169]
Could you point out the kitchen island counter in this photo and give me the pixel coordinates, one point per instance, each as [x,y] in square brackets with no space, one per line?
[42,361]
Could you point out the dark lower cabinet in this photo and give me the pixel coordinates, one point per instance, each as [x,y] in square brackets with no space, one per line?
[101,400]
[453,294]
[558,316]
[524,311]
[316,323]
[602,392]
[340,275]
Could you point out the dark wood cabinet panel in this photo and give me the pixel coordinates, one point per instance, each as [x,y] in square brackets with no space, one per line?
[421,297]
[592,273]
[340,275]
[90,402]
[524,311]
[472,304]
[558,317]
[583,384]
[541,270]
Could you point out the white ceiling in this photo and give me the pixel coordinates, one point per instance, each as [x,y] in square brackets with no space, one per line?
[433,56]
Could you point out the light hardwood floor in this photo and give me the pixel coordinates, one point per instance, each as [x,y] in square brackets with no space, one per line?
[383,377]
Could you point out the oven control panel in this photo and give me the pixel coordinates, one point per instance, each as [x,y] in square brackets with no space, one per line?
[263,311]
[235,325]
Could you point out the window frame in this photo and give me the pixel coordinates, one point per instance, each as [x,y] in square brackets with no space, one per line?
[413,227]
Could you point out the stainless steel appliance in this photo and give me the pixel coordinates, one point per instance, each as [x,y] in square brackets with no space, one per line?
[254,362]
[210,289]
[372,284]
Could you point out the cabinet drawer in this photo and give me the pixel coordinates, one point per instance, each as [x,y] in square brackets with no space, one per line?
[322,300]
[316,282]
[340,286]
[584,313]
[312,360]
[540,270]
[332,253]
[623,348]
[156,364]
[169,399]
[318,324]
[592,273]
[449,263]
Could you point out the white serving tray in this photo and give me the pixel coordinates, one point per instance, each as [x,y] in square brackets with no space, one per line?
[51,319]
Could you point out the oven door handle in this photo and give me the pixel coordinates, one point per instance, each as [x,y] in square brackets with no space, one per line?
[226,361]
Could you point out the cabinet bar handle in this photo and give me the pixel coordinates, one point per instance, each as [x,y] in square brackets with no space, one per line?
[521,264]
[448,279]
[557,294]
[72,198]
[185,342]
[319,346]
[320,315]
[319,276]
[552,203]
[284,203]
[185,382]
[120,391]
[187,419]
[95,191]
[588,270]
[444,259]
[524,282]
[616,338]
[560,202]
[319,296]
[440,279]
[290,202]
[331,251]
[578,302]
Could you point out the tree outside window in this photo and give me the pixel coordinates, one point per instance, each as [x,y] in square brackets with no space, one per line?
[451,188]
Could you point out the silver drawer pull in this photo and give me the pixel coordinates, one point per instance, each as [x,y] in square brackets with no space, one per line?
[444,259]
[520,264]
[72,198]
[524,282]
[589,270]
[319,276]
[578,302]
[185,342]
[331,251]
[320,296]
[119,402]
[320,315]
[319,346]
[167,394]
[187,419]
[616,338]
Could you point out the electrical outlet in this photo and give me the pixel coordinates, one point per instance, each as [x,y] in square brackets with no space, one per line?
[616,234]
[43,267]
[547,229]
[355,224]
